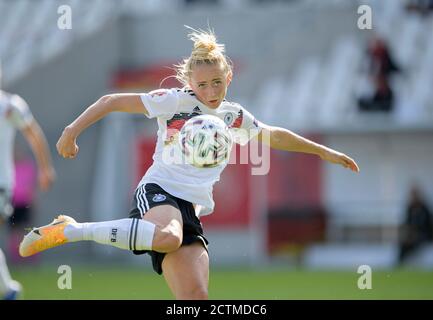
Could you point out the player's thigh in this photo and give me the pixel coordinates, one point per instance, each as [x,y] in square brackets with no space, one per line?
[164,215]
[186,271]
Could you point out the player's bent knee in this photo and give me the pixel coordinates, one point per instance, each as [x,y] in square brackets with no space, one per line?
[167,241]
[171,242]
[168,234]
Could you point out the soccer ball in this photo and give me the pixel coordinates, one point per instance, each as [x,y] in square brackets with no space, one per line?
[205,141]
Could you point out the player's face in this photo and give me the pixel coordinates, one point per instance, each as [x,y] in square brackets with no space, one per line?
[209,83]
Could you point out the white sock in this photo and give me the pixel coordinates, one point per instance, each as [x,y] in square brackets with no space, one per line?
[129,234]
[5,277]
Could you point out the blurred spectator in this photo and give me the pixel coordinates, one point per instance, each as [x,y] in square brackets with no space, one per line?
[382,99]
[380,68]
[381,62]
[417,228]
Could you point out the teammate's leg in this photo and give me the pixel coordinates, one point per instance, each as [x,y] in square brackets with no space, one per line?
[186,272]
[8,287]
[5,277]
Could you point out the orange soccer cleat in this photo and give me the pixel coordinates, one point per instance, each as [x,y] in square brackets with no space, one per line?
[46,237]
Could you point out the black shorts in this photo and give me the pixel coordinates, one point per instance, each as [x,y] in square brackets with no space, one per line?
[152,195]
[21,217]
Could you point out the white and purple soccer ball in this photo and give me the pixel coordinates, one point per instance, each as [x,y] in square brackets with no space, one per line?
[205,141]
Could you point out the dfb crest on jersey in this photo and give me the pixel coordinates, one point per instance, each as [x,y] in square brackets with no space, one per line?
[229,118]
[159,197]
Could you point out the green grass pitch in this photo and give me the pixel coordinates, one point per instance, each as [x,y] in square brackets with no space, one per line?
[94,282]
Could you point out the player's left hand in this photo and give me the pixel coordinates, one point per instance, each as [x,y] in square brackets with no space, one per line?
[340,158]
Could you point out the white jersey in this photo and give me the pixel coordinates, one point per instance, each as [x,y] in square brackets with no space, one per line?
[172,108]
[14,114]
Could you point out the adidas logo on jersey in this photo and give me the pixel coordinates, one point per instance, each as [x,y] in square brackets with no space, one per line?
[196,109]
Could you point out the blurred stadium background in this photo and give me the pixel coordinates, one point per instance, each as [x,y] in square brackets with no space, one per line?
[299,232]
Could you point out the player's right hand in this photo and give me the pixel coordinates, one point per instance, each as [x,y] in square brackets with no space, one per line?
[67,145]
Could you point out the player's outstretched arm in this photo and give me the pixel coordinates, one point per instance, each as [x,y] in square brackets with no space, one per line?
[124,102]
[38,143]
[283,139]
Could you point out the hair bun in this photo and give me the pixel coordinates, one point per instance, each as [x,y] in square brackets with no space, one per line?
[205,44]
[208,45]
[206,49]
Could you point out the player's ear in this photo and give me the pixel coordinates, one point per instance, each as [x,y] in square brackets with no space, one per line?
[229,78]
[190,84]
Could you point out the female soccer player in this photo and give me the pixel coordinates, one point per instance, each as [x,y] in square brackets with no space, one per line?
[171,197]
[15,115]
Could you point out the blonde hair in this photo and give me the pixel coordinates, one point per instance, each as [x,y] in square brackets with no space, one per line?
[206,50]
